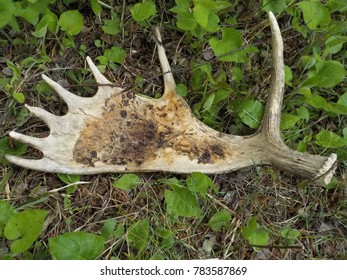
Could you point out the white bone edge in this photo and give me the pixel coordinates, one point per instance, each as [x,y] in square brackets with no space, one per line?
[169,81]
[99,77]
[38,143]
[73,101]
[47,117]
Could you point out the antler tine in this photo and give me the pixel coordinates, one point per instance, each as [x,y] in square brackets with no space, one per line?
[73,101]
[169,81]
[100,78]
[47,117]
[272,116]
[38,143]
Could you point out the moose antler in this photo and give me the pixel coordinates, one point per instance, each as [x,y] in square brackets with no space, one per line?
[118,131]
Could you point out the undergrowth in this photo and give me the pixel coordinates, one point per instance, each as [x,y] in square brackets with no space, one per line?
[220,53]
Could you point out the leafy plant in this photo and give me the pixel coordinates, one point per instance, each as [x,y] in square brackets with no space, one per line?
[254,234]
[219,220]
[76,246]
[138,235]
[127,181]
[23,228]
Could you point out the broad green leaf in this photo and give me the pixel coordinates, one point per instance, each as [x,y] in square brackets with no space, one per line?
[201,14]
[343,99]
[114,54]
[208,103]
[24,228]
[127,181]
[181,90]
[317,101]
[231,41]
[48,21]
[204,15]
[6,211]
[96,7]
[19,97]
[198,183]
[329,139]
[9,147]
[71,22]
[138,234]
[303,113]
[337,5]
[181,202]
[185,18]
[334,44]
[251,112]
[108,228]
[275,6]
[186,21]
[7,9]
[288,75]
[70,179]
[220,219]
[258,237]
[315,14]
[167,238]
[253,234]
[112,26]
[289,233]
[288,121]
[143,11]
[330,73]
[76,246]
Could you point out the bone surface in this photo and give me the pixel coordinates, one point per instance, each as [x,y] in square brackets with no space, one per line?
[119,131]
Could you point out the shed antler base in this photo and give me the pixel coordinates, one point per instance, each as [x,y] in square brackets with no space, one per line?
[118,131]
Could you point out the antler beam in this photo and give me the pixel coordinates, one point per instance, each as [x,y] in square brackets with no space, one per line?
[118,131]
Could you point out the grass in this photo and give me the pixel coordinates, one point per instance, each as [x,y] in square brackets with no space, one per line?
[278,200]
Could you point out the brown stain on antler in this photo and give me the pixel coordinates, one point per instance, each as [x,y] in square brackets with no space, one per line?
[133,130]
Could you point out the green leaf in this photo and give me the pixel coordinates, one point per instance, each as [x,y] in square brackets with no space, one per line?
[231,41]
[275,6]
[251,111]
[181,90]
[24,228]
[108,228]
[288,75]
[219,220]
[9,147]
[289,233]
[288,121]
[198,183]
[315,14]
[19,97]
[7,9]
[71,22]
[48,21]
[96,7]
[181,202]
[127,181]
[205,16]
[70,179]
[6,212]
[253,234]
[115,54]
[330,139]
[330,73]
[138,234]
[143,11]
[112,26]
[167,238]
[76,246]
